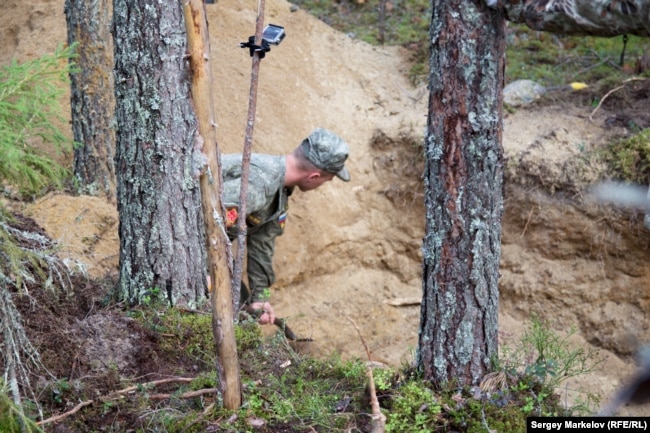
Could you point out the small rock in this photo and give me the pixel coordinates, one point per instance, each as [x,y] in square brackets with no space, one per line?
[522,92]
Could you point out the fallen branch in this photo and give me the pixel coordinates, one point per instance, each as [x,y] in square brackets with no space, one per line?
[151,384]
[189,394]
[112,395]
[66,414]
[404,302]
[616,89]
[378,418]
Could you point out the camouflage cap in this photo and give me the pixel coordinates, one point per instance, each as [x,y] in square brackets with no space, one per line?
[328,152]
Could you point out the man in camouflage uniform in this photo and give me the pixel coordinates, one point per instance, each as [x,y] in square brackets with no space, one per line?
[603,18]
[272,179]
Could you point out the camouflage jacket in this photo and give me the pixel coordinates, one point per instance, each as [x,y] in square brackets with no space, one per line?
[266,212]
[603,18]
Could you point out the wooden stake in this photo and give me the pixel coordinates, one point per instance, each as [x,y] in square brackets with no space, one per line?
[218,245]
[378,418]
[246,155]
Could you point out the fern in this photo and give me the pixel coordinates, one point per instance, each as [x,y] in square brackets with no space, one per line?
[29,113]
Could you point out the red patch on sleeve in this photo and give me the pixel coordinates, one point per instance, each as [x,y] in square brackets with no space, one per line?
[231,217]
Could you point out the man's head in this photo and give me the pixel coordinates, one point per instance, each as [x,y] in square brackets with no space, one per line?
[328,152]
[319,158]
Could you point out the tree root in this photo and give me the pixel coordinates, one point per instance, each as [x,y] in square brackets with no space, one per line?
[615,89]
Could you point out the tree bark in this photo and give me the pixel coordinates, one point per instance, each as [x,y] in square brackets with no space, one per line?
[463,193]
[92,99]
[162,241]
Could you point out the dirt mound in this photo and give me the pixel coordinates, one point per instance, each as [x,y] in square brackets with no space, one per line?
[353,250]
[85,227]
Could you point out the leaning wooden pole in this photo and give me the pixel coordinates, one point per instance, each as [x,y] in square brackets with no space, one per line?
[218,246]
[246,154]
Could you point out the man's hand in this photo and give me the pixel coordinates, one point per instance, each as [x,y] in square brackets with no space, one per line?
[265,310]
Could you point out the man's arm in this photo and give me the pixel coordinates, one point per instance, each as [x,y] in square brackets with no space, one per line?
[261,247]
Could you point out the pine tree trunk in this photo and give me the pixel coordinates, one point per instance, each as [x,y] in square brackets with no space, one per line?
[92,99]
[463,193]
[162,239]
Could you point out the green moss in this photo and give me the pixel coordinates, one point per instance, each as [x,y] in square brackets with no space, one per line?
[414,408]
[248,335]
[476,416]
[184,334]
[629,159]
[286,391]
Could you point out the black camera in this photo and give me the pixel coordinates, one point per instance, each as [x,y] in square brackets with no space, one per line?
[273,34]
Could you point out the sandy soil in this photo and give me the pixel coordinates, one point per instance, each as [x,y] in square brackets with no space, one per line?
[351,251]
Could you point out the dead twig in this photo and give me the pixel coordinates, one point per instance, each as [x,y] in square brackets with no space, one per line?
[530,214]
[592,66]
[378,418]
[151,384]
[404,302]
[616,89]
[74,410]
[189,394]
[114,394]
[200,418]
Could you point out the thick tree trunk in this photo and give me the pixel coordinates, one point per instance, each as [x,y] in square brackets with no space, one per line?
[463,193]
[92,99]
[162,240]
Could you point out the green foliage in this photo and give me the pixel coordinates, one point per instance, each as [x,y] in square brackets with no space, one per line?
[474,416]
[414,408]
[151,297]
[308,390]
[189,333]
[556,60]
[552,60]
[59,389]
[629,158]
[542,361]
[12,418]
[282,388]
[248,336]
[383,378]
[557,357]
[284,391]
[29,112]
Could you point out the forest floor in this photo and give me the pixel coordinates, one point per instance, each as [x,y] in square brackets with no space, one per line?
[353,250]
